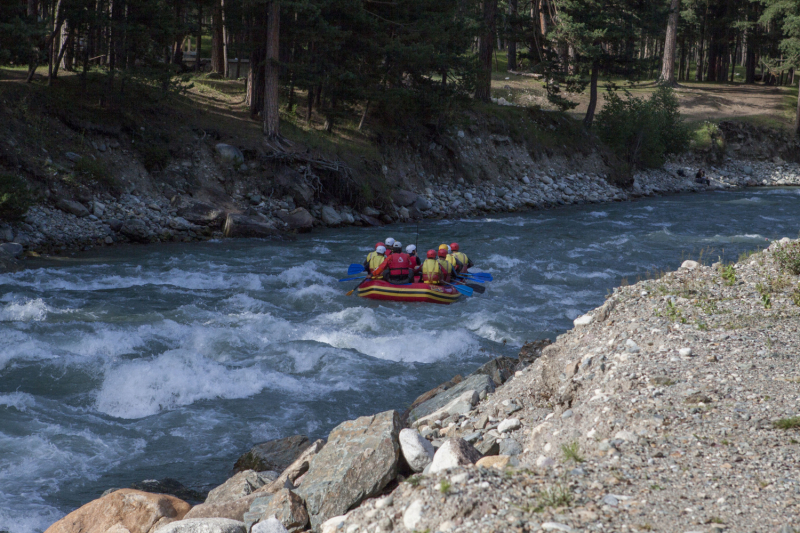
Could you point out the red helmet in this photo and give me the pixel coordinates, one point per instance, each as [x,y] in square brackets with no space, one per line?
[443,252]
[454,246]
[431,254]
[379,244]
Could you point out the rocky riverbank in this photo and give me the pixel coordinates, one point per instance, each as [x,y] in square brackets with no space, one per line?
[147,217]
[672,407]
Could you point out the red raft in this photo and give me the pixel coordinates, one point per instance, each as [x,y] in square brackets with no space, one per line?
[412,292]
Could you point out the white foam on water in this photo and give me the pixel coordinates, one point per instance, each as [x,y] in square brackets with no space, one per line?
[598,214]
[407,346]
[34,310]
[303,274]
[769,218]
[480,324]
[314,292]
[21,515]
[147,386]
[360,319]
[502,261]
[21,401]
[320,249]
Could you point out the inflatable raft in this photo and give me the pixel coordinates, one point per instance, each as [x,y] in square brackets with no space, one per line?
[412,292]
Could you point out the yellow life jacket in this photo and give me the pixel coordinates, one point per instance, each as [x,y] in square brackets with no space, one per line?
[452,260]
[461,257]
[447,266]
[431,272]
[375,260]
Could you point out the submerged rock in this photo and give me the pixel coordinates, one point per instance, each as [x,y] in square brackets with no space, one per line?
[123,510]
[360,458]
[274,454]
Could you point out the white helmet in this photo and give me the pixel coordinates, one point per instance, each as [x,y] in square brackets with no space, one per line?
[449,251]
[381,249]
[397,245]
[410,249]
[389,242]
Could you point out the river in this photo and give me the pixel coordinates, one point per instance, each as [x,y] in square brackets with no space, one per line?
[130,363]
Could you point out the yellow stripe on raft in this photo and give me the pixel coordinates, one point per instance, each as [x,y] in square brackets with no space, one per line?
[427,293]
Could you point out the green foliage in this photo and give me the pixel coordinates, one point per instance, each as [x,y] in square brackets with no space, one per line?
[788,257]
[556,496]
[572,452]
[728,274]
[787,423]
[15,197]
[444,486]
[796,296]
[93,170]
[642,132]
[154,156]
[414,481]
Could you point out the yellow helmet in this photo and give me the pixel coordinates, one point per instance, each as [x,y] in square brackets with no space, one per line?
[443,246]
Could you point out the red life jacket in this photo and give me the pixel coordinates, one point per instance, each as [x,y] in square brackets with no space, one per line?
[399,264]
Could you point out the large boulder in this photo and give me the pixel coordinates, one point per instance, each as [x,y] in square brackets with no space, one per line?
[243,483]
[294,184]
[202,214]
[330,217]
[125,510]
[417,450]
[284,505]
[478,383]
[136,230]
[359,460]
[422,204]
[273,454]
[70,206]
[11,249]
[205,525]
[454,452]
[245,226]
[229,155]
[499,369]
[299,219]
[288,478]
[404,198]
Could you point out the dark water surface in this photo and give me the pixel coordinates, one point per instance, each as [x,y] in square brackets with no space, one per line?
[151,361]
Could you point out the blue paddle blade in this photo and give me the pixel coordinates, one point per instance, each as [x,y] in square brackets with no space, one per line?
[350,279]
[479,280]
[466,291]
[480,275]
[355,268]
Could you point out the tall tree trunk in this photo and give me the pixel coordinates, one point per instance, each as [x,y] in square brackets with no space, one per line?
[538,22]
[511,41]
[670,44]
[59,59]
[682,62]
[733,59]
[797,129]
[589,118]
[225,38]
[199,36]
[483,89]
[258,54]
[272,72]
[217,41]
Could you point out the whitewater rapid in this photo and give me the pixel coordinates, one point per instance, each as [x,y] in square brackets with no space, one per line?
[129,363]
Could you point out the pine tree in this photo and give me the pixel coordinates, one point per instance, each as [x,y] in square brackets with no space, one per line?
[787,14]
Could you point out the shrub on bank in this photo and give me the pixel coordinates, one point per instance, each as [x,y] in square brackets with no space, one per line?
[15,198]
[788,257]
[642,132]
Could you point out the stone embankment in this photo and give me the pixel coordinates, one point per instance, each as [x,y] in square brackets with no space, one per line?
[151,217]
[673,407]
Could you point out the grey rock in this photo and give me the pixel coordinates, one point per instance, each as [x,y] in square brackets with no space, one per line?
[135,230]
[270,525]
[566,414]
[454,452]
[489,446]
[404,198]
[417,451]
[6,234]
[499,369]
[478,383]
[202,214]
[329,216]
[11,249]
[245,226]
[239,486]
[204,525]
[294,184]
[748,170]
[510,447]
[286,506]
[609,499]
[72,156]
[371,212]
[360,458]
[229,154]
[371,220]
[299,219]
[70,206]
[115,224]
[273,454]
[422,204]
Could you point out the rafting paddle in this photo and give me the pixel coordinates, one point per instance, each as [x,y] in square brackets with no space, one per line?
[351,279]
[466,291]
[357,286]
[485,276]
[355,268]
[480,289]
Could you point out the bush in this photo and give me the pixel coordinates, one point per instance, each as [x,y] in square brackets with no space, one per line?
[154,157]
[93,170]
[788,257]
[643,132]
[15,198]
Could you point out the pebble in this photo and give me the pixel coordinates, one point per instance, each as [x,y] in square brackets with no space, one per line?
[413,515]
[509,424]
